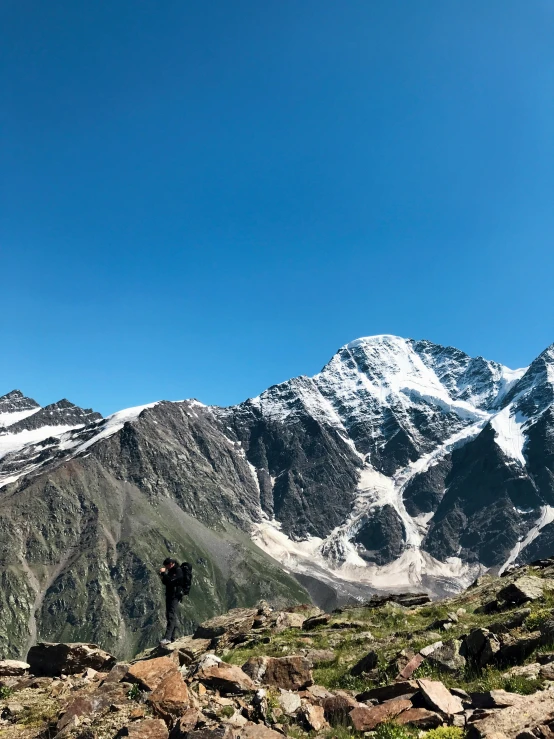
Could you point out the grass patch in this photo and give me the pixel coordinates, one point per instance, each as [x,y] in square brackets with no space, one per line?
[445,732]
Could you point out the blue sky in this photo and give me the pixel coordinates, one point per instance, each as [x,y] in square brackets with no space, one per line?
[203,198]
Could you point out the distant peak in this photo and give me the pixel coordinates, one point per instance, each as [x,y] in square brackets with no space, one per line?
[12,395]
[377,339]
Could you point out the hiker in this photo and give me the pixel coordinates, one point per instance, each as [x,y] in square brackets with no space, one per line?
[174,581]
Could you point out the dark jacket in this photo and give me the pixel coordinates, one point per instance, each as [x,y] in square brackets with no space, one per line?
[173,580]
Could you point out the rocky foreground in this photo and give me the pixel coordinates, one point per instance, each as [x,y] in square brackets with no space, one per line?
[480,664]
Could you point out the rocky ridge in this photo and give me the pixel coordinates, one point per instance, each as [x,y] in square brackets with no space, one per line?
[479,664]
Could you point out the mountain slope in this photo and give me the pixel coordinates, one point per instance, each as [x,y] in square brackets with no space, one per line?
[401,464]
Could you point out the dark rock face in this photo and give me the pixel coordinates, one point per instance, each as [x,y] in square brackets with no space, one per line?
[15,402]
[478,516]
[62,413]
[315,472]
[424,492]
[382,536]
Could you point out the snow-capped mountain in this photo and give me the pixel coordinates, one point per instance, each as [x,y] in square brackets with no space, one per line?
[401,464]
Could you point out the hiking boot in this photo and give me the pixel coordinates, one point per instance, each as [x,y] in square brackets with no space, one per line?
[164,642]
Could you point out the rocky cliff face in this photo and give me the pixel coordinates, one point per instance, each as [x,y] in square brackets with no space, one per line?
[402,463]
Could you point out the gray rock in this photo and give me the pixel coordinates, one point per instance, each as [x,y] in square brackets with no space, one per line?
[365,664]
[480,647]
[51,659]
[447,656]
[12,667]
[522,590]
[439,698]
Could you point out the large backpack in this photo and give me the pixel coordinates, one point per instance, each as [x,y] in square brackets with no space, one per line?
[187,577]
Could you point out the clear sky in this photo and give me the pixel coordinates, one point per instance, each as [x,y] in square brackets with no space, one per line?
[201,198]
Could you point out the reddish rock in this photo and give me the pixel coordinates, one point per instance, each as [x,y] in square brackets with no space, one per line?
[149,673]
[171,698]
[82,706]
[420,717]
[185,724]
[365,718]
[290,673]
[117,673]
[226,678]
[150,728]
[411,667]
[439,698]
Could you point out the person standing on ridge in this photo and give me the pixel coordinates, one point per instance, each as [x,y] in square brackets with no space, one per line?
[174,580]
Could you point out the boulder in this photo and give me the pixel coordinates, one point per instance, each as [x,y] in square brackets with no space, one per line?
[480,647]
[408,600]
[420,718]
[367,663]
[447,657]
[347,624]
[319,656]
[316,694]
[117,673]
[337,707]
[388,692]
[522,590]
[185,723]
[170,699]
[290,673]
[188,649]
[366,718]
[290,702]
[495,699]
[516,649]
[215,732]
[12,668]
[53,659]
[286,620]
[408,670]
[546,672]
[256,731]
[430,648]
[513,720]
[530,671]
[234,622]
[439,698]
[321,619]
[228,679]
[149,728]
[514,622]
[150,673]
[312,718]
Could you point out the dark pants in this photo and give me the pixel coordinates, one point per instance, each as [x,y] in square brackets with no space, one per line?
[172,616]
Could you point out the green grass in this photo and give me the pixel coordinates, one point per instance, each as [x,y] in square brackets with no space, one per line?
[445,732]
